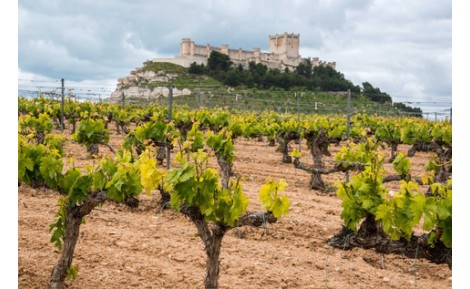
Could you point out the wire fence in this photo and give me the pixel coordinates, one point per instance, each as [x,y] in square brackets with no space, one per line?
[242,101]
[252,100]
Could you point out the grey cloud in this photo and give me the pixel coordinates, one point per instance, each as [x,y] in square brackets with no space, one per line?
[78,44]
[403,47]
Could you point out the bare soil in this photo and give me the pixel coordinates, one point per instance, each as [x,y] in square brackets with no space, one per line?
[145,247]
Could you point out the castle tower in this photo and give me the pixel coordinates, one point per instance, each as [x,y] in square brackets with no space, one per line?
[187,47]
[284,45]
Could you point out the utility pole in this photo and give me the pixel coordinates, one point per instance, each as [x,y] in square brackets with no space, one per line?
[170,108]
[62,106]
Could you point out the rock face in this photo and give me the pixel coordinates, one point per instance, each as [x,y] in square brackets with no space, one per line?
[150,93]
[147,85]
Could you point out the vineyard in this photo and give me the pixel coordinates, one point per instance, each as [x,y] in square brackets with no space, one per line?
[131,197]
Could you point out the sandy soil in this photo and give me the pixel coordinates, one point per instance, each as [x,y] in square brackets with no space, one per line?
[120,247]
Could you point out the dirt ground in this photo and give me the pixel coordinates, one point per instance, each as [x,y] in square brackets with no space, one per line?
[145,247]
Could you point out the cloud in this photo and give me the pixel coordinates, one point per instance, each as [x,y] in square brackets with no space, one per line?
[78,45]
[402,47]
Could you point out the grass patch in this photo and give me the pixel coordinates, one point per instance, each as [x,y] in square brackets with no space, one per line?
[163,66]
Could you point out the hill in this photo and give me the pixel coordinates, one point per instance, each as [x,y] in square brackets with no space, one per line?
[318,90]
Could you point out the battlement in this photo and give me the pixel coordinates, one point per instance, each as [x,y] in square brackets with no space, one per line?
[288,35]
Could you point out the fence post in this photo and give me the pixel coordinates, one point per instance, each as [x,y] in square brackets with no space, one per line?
[348,123]
[298,118]
[122,99]
[170,108]
[62,106]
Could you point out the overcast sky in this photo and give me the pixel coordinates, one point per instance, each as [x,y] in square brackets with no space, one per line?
[403,47]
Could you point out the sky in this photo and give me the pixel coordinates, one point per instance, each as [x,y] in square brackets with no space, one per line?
[403,47]
[409,49]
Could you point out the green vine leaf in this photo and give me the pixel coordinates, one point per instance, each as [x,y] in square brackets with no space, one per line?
[271,201]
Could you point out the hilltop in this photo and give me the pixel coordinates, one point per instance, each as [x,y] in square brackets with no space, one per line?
[319,90]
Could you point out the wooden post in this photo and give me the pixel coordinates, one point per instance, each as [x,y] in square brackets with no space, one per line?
[348,123]
[62,106]
[170,108]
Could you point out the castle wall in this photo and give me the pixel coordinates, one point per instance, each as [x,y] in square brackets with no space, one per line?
[201,50]
[293,47]
[283,52]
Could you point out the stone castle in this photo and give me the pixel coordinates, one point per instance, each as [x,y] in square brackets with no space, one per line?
[283,53]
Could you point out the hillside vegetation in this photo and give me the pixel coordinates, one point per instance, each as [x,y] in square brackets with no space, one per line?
[308,89]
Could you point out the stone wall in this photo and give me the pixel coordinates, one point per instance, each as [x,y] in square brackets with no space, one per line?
[283,52]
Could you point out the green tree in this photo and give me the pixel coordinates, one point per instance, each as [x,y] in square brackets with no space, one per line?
[195,68]
[219,62]
[374,93]
[305,69]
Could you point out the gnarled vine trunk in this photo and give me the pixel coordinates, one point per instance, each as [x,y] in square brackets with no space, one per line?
[94,149]
[74,125]
[109,120]
[73,220]
[318,148]
[213,262]
[225,171]
[444,155]
[283,139]
[316,181]
[371,236]
[40,137]
[212,239]
[165,198]
[393,154]
[161,154]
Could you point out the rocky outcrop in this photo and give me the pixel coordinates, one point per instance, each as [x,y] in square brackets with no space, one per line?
[147,85]
[135,92]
